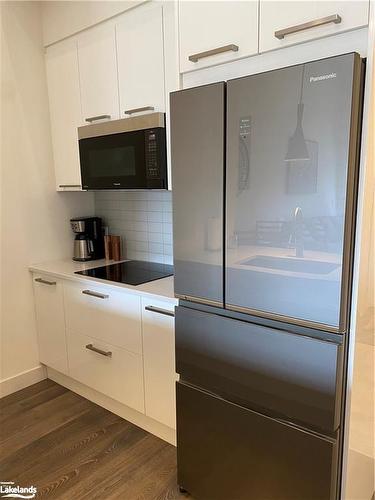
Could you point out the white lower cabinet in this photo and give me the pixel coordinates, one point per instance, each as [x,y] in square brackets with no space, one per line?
[112,340]
[49,309]
[159,360]
[109,369]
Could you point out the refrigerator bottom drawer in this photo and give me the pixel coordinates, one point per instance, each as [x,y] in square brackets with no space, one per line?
[227,452]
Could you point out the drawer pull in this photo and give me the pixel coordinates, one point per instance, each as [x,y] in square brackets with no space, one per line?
[95,294]
[45,282]
[69,185]
[90,347]
[335,18]
[219,50]
[158,310]
[138,110]
[99,117]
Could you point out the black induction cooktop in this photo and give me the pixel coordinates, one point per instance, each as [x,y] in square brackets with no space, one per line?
[131,272]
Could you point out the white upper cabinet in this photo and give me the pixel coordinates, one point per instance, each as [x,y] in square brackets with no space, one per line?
[139,36]
[215,32]
[98,73]
[65,112]
[287,23]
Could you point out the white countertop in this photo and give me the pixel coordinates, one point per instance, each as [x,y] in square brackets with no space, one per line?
[65,269]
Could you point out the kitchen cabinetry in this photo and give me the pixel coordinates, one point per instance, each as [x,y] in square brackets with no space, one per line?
[287,23]
[65,112]
[159,360]
[139,38]
[110,339]
[49,309]
[98,73]
[216,32]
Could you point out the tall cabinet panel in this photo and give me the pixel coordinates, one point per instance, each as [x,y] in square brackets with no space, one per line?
[290,189]
[98,73]
[197,144]
[65,112]
[139,37]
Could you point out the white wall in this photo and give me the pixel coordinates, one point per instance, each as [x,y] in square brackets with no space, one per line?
[64,18]
[34,217]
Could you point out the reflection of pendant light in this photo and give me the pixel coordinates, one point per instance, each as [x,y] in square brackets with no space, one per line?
[297,148]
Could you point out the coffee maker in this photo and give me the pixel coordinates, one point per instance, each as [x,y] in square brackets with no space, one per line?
[89,241]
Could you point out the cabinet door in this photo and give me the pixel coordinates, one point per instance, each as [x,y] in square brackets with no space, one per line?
[159,360]
[197,147]
[226,30]
[65,112]
[98,73]
[49,308]
[276,16]
[139,38]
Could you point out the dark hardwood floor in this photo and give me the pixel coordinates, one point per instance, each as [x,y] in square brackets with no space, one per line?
[70,448]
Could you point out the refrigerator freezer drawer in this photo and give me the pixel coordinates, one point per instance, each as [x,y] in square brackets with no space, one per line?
[227,452]
[293,377]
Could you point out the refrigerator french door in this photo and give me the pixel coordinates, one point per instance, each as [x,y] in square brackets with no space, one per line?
[291,168]
[264,196]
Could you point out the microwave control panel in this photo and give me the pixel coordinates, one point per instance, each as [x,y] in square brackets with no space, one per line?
[155,154]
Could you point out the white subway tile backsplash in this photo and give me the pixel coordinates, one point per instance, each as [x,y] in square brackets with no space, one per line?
[155,237]
[168,239]
[143,219]
[167,228]
[155,227]
[155,247]
[155,216]
[155,206]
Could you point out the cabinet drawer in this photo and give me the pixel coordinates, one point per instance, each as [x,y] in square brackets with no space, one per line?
[228,452]
[113,371]
[294,377]
[49,309]
[104,314]
[288,23]
[159,360]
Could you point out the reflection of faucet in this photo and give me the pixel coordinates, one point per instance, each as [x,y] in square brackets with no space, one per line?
[298,231]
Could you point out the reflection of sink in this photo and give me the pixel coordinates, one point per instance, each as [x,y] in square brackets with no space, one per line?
[293,265]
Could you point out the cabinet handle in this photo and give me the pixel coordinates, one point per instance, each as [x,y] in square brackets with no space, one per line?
[99,117]
[158,310]
[45,282]
[335,18]
[138,110]
[90,347]
[219,50]
[69,185]
[95,294]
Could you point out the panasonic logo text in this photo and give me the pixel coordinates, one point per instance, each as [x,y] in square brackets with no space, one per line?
[322,77]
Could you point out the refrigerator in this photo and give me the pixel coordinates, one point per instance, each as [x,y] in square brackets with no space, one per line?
[265,171]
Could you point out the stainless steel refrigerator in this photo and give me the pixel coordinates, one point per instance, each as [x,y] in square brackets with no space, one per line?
[265,174]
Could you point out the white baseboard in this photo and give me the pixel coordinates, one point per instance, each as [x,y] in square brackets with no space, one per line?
[22,380]
[148,424]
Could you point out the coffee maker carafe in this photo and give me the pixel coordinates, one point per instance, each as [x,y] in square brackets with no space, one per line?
[89,241]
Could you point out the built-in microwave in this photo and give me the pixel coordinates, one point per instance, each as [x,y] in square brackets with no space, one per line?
[124,154]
